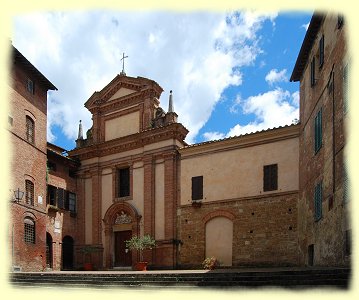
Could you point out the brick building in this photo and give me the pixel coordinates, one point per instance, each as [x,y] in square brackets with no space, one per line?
[27,129]
[272,198]
[324,204]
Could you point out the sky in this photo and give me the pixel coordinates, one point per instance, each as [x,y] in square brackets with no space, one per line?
[229,71]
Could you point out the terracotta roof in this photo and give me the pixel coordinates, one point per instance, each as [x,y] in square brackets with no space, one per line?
[18,57]
[236,136]
[307,45]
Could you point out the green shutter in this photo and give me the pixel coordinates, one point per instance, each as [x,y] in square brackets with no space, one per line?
[318,201]
[345,88]
[318,131]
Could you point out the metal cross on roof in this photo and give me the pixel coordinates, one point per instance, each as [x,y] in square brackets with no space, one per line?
[123,64]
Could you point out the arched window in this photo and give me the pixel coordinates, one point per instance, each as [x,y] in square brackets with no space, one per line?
[29,230]
[29,187]
[30,130]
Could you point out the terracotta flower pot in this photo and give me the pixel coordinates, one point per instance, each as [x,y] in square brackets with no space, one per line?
[88,266]
[141,266]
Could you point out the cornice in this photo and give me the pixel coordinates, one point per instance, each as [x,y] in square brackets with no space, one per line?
[131,142]
[243,141]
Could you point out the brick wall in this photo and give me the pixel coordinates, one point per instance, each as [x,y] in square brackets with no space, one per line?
[327,234]
[264,230]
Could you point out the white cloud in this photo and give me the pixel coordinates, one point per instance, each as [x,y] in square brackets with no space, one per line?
[210,136]
[197,55]
[275,76]
[305,26]
[271,109]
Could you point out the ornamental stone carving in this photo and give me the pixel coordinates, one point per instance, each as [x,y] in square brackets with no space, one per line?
[123,218]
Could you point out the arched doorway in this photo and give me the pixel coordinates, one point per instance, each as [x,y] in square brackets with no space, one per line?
[219,239]
[49,255]
[122,221]
[67,253]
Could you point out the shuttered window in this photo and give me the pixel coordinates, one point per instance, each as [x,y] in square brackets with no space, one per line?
[346,88]
[123,182]
[321,51]
[60,198]
[197,188]
[318,131]
[71,202]
[30,130]
[270,178]
[318,201]
[312,72]
[29,188]
[345,183]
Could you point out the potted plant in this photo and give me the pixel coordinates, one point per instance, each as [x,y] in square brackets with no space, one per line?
[141,243]
[87,250]
[210,263]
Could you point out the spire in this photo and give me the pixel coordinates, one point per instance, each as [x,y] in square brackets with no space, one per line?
[170,103]
[80,136]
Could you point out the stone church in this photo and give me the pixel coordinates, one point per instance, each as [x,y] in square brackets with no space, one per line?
[259,199]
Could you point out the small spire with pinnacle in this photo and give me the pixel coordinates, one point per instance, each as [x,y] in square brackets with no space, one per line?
[170,103]
[80,136]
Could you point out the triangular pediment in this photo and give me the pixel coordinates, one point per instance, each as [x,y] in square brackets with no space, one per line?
[122,86]
[121,93]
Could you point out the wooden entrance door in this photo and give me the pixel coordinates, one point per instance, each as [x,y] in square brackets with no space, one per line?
[122,259]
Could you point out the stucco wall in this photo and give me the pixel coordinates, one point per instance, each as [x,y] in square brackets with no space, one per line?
[121,92]
[122,126]
[239,172]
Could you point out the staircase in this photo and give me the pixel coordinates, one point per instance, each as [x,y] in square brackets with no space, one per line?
[338,278]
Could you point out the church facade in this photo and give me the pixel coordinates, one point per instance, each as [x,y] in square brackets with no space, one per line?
[250,200]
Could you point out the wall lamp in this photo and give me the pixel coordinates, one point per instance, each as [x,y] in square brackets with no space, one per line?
[18,195]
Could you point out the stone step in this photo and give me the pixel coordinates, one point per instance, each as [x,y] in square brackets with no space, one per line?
[306,278]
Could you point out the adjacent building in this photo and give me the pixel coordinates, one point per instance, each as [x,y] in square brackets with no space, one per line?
[27,123]
[278,197]
[322,68]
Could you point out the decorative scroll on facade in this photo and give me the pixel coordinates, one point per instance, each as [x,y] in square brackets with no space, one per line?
[123,218]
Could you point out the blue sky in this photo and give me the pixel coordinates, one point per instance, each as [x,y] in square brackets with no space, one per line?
[229,71]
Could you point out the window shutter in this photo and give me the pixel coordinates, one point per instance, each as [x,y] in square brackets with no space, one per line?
[345,88]
[321,51]
[312,72]
[318,201]
[60,198]
[197,188]
[270,177]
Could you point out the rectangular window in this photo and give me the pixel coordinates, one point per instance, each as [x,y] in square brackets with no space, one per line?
[51,195]
[197,188]
[71,202]
[123,182]
[312,72]
[321,51]
[29,187]
[318,195]
[30,86]
[51,166]
[270,178]
[318,131]
[10,120]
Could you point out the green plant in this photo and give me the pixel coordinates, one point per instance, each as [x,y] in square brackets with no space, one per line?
[141,243]
[210,263]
